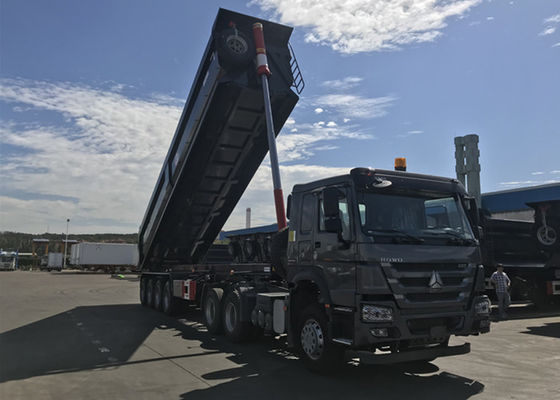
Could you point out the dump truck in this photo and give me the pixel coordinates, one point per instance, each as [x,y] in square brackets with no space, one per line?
[378,266]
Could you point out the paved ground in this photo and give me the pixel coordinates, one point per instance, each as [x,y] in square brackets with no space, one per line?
[76,336]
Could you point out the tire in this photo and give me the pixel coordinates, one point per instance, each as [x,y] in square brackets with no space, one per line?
[143,297]
[169,304]
[150,292]
[157,294]
[235,49]
[212,310]
[316,349]
[547,237]
[235,329]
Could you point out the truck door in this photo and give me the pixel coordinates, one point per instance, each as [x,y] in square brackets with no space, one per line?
[335,254]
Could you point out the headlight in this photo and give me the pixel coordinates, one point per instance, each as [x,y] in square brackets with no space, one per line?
[376,313]
[482,306]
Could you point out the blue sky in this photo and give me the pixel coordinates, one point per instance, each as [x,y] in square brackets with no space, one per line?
[91,92]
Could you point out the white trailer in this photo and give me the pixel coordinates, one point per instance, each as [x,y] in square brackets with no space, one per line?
[109,257]
[54,261]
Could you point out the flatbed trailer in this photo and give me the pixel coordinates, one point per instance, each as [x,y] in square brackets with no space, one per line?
[335,282]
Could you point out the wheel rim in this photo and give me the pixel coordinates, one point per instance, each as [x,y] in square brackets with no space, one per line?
[236,44]
[230,317]
[312,339]
[546,235]
[210,311]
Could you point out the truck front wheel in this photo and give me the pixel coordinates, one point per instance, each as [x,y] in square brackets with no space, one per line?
[319,353]
[212,310]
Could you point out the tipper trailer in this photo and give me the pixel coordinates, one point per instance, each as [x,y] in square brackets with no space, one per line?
[380,266]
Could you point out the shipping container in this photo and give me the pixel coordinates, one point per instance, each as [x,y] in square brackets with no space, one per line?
[104,254]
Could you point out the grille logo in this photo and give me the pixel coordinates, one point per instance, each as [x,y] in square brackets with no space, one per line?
[435,281]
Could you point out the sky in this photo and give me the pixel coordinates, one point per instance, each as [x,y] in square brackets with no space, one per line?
[91,93]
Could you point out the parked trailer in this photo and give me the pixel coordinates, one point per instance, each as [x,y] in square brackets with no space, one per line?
[528,250]
[382,266]
[108,257]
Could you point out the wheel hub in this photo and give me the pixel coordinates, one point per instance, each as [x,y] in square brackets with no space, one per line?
[312,339]
[236,44]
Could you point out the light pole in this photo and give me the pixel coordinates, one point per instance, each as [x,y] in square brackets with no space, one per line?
[65,244]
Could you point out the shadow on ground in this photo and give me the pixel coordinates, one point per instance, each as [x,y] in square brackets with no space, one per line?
[548,329]
[92,337]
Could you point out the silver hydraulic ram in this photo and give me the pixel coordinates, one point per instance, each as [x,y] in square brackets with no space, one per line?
[264,72]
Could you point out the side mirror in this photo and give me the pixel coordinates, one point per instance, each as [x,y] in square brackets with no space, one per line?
[480,233]
[289,206]
[330,207]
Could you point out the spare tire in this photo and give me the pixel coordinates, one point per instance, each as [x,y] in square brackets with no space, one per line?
[235,49]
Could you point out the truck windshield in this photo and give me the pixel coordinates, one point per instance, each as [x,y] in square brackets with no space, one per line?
[414,218]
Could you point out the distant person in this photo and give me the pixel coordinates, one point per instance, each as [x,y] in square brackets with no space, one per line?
[501,283]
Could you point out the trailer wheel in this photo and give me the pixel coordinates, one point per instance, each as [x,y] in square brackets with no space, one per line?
[212,310]
[157,294]
[547,236]
[235,329]
[168,302]
[235,50]
[317,350]
[150,292]
[143,296]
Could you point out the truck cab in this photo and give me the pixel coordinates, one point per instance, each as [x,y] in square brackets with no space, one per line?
[392,260]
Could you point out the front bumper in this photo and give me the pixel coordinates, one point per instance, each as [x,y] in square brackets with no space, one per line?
[367,357]
[417,328]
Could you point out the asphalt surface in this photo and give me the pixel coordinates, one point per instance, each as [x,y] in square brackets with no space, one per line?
[84,336]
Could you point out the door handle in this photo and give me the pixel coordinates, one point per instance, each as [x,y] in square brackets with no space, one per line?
[317,245]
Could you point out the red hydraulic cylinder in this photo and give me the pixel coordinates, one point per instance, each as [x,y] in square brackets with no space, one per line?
[264,72]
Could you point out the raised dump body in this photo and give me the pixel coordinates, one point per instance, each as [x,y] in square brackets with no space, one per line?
[219,143]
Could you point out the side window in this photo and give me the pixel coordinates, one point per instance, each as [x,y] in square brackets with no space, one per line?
[344,214]
[307,213]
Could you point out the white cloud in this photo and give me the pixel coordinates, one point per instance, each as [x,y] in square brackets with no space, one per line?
[489,18]
[343,84]
[346,120]
[552,19]
[537,173]
[410,133]
[99,167]
[357,106]
[548,31]
[556,44]
[318,110]
[353,26]
[555,171]
[107,156]
[528,183]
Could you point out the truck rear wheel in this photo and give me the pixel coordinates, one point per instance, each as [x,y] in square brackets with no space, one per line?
[157,294]
[150,292]
[317,350]
[235,329]
[212,310]
[143,296]
[168,302]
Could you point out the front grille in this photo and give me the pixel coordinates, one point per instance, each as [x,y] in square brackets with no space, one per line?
[410,282]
